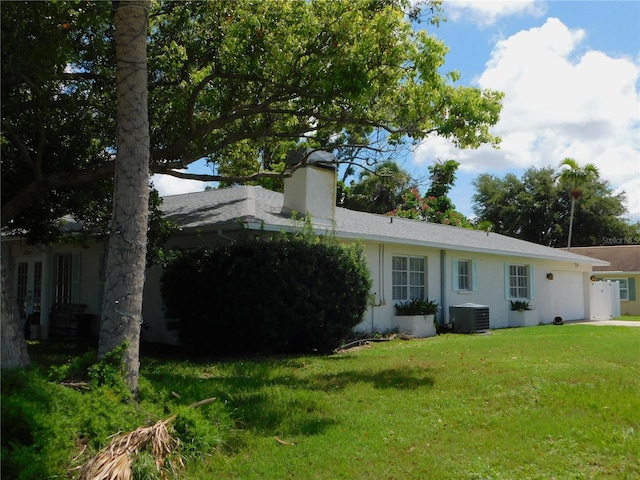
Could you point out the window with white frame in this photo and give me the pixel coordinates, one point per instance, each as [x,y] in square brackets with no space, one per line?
[66,278]
[624,288]
[519,281]
[464,275]
[62,279]
[407,277]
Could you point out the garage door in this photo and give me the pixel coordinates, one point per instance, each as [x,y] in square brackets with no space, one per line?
[568,295]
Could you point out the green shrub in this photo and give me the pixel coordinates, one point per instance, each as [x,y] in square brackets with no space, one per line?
[417,306]
[286,295]
[520,305]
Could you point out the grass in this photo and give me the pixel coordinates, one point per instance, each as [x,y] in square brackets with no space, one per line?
[559,402]
[543,402]
[631,318]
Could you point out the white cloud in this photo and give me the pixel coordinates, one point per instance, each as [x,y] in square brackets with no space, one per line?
[632,191]
[558,104]
[168,185]
[486,12]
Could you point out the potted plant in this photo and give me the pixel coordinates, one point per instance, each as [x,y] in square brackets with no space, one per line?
[416,317]
[521,314]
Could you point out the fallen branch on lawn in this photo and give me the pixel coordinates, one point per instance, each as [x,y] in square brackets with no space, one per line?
[114,461]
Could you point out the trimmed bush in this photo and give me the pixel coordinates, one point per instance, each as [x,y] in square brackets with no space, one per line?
[297,294]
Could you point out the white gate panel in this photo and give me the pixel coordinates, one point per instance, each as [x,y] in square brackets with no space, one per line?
[605,300]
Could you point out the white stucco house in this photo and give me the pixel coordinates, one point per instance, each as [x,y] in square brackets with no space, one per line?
[407,259]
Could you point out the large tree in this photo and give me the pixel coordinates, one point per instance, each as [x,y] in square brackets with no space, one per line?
[238,83]
[126,257]
[536,208]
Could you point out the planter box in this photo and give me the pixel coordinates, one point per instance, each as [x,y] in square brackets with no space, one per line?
[417,325]
[524,318]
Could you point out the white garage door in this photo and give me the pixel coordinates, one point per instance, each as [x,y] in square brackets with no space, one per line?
[567,296]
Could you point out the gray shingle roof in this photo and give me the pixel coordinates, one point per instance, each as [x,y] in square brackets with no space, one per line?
[257,207]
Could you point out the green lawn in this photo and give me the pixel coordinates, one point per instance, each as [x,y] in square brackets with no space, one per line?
[548,402]
[632,318]
[529,403]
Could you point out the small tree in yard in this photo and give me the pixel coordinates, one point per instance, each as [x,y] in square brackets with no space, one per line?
[287,295]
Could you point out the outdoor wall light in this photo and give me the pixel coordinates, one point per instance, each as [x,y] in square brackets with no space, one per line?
[549,276]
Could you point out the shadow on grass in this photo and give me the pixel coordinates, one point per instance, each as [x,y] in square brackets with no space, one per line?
[393,378]
[272,396]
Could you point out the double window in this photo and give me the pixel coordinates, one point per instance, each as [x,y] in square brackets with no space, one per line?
[519,282]
[408,277]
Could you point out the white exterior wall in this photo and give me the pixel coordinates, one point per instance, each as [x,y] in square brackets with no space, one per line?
[489,290]
[378,317]
[565,296]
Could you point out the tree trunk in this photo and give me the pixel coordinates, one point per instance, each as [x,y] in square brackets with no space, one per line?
[14,346]
[573,207]
[125,272]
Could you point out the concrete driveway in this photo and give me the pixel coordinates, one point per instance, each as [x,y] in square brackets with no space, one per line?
[607,323]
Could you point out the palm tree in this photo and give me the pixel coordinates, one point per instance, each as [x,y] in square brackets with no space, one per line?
[575,177]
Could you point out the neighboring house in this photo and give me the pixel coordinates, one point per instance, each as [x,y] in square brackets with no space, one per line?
[624,268]
[407,258]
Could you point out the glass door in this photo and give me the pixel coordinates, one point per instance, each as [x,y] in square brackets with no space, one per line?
[28,287]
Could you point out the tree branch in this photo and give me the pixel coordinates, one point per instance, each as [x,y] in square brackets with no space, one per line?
[203,177]
[32,192]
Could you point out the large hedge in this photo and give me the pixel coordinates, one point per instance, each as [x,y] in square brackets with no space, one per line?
[287,295]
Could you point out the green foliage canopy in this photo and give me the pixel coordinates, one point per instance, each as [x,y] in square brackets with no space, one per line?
[536,208]
[435,206]
[379,190]
[238,83]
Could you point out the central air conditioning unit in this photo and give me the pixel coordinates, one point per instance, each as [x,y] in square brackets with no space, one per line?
[469,318]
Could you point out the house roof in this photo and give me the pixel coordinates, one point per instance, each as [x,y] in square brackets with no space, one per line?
[623,258]
[258,208]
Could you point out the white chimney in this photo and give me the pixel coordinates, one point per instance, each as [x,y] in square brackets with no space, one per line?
[312,188]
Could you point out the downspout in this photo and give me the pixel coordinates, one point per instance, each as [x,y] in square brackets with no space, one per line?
[443,274]
[378,300]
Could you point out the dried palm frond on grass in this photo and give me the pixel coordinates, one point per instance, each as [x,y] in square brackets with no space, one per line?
[114,461]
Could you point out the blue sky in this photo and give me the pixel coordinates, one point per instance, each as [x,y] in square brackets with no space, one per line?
[570,71]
